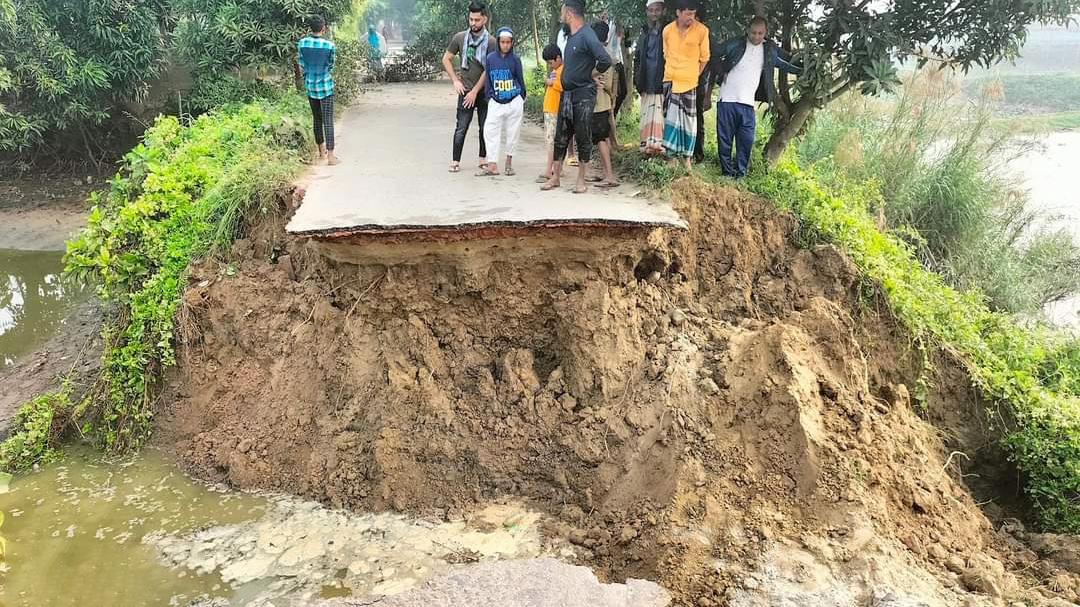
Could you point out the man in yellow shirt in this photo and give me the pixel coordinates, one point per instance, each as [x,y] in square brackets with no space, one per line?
[686,53]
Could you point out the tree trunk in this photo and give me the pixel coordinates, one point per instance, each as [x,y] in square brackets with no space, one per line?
[787,128]
[536,34]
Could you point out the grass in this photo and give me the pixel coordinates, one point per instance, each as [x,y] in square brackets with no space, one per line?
[1034,93]
[1029,375]
[182,194]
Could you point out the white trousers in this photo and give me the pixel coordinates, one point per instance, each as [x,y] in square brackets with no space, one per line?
[503,120]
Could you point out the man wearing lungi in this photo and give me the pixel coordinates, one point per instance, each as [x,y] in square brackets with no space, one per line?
[686,53]
[649,79]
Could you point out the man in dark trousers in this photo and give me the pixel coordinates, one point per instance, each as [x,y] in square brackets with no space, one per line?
[315,54]
[582,55]
[468,76]
[744,69]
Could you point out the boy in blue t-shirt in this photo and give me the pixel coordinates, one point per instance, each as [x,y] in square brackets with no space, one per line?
[506,88]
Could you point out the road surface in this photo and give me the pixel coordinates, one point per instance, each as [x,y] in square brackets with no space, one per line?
[395,148]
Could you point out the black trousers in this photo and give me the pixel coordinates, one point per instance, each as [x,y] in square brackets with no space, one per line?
[575,121]
[322,114]
[464,119]
[623,90]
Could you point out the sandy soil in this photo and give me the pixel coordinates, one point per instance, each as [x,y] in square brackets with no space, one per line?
[41,213]
[716,410]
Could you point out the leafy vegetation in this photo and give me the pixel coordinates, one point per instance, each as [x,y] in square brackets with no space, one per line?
[946,190]
[35,431]
[66,68]
[181,195]
[1031,375]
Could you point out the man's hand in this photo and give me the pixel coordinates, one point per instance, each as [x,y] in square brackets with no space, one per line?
[459,87]
[470,99]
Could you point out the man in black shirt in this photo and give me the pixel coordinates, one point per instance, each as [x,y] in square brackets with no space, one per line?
[582,55]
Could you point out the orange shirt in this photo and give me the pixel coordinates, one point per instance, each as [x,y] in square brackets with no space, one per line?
[684,54]
[552,94]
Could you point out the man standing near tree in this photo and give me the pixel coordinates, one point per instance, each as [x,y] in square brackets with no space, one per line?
[315,55]
[649,78]
[686,53]
[744,67]
[469,79]
[583,54]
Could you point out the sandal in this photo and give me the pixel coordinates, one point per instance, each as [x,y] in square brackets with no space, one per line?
[581,190]
[485,173]
[548,186]
[455,167]
[509,172]
[593,179]
[608,184]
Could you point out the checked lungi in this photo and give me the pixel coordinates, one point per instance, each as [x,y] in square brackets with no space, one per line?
[680,121]
[652,123]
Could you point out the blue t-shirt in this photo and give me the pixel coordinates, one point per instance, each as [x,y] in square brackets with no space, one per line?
[505,77]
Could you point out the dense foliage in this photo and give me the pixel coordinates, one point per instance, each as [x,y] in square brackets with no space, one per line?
[66,66]
[946,189]
[180,195]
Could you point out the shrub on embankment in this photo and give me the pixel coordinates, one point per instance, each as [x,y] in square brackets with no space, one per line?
[1030,375]
[182,194]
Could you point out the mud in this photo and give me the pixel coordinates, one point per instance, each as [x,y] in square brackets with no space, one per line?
[717,410]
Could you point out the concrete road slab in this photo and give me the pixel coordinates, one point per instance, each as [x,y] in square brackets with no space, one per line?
[395,146]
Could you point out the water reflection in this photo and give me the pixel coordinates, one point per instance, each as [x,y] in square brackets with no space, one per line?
[34,300]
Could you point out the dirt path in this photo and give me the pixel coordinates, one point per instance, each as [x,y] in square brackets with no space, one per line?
[395,146]
[41,213]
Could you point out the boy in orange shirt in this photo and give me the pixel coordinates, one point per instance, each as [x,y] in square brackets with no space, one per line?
[553,56]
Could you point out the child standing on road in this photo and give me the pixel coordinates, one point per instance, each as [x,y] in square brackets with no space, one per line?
[506,87]
[552,93]
[315,55]
[601,118]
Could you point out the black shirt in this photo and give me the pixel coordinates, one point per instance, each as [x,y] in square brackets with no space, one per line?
[583,53]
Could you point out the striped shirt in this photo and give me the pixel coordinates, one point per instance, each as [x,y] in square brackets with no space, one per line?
[316,57]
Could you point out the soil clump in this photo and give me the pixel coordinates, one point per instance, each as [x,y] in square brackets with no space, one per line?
[717,410]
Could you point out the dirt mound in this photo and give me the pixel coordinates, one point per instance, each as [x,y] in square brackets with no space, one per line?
[717,410]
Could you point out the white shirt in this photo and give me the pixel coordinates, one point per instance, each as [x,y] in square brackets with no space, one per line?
[614,44]
[742,81]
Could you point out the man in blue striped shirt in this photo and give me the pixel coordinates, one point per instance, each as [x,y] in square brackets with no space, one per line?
[316,58]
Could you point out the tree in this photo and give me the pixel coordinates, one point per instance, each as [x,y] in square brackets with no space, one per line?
[846,45]
[65,64]
[216,36]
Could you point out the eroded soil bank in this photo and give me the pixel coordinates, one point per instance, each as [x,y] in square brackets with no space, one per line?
[718,410]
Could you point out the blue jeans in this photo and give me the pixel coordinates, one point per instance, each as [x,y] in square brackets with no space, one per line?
[735,121]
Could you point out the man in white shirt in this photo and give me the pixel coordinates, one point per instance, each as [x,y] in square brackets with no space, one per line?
[744,68]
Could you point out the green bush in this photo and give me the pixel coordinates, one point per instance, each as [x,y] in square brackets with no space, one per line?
[1030,373]
[181,194]
[940,169]
[35,431]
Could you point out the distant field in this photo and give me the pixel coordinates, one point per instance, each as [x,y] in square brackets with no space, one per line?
[1032,93]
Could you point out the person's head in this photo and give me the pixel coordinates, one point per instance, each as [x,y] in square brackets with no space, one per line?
[478,16]
[317,24]
[757,30]
[604,16]
[654,11]
[505,36]
[601,30]
[573,12]
[685,12]
[553,56]
[371,28]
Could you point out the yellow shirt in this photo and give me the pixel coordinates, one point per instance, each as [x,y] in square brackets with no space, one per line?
[684,54]
[552,94]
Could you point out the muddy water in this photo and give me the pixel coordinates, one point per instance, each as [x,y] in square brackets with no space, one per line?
[138,532]
[34,300]
[1049,173]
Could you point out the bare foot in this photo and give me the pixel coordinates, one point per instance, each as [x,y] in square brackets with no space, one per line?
[332,160]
